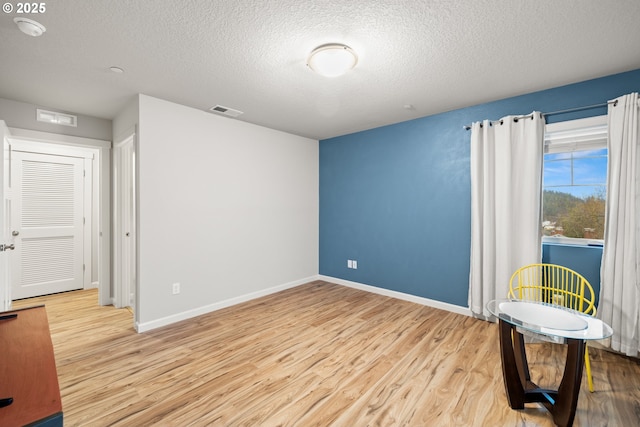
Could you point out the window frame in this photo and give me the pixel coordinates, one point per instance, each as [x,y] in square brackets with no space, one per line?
[573,135]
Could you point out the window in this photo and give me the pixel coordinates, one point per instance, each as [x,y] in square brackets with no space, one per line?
[574,181]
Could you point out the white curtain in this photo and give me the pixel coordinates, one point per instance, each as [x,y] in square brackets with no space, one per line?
[620,273]
[506,192]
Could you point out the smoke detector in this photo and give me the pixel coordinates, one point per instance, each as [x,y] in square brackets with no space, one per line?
[29,26]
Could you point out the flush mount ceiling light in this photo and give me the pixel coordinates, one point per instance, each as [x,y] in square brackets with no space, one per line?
[29,26]
[332,60]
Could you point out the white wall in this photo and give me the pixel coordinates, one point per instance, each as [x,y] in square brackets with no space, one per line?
[126,121]
[226,208]
[23,115]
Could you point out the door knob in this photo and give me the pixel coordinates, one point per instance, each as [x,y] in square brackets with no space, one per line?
[14,233]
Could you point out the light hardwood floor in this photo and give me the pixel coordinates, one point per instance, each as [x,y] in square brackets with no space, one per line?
[316,355]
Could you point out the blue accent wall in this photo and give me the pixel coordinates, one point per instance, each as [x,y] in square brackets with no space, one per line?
[585,260]
[397,198]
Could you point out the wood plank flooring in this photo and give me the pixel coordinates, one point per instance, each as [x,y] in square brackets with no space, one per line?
[316,355]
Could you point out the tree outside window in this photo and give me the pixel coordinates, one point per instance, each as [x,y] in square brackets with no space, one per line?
[574,193]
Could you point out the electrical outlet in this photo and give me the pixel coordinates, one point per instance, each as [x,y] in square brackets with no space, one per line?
[176,288]
[354,264]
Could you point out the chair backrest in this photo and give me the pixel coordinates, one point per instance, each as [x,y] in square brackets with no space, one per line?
[553,284]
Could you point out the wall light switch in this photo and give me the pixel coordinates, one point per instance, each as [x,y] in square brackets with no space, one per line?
[354,264]
[349,263]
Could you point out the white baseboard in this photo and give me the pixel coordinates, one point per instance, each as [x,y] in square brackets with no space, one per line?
[164,321]
[147,326]
[399,295]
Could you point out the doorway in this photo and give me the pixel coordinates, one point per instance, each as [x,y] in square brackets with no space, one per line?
[64,158]
[125,235]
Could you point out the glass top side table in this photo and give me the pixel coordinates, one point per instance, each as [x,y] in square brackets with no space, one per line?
[561,324]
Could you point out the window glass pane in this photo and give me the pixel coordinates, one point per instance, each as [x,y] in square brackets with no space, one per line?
[590,153]
[557,156]
[574,194]
[574,212]
[581,191]
[590,171]
[557,172]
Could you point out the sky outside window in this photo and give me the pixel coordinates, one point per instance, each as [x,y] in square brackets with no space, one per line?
[579,173]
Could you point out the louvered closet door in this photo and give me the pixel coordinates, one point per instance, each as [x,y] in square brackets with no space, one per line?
[47,216]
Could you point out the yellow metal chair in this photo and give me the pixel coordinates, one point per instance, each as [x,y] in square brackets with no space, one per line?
[557,285]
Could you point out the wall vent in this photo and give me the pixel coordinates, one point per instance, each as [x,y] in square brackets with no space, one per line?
[225,111]
[56,118]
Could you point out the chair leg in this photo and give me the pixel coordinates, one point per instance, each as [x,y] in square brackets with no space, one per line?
[587,365]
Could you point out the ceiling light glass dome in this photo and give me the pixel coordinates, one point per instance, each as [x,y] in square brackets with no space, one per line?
[332,60]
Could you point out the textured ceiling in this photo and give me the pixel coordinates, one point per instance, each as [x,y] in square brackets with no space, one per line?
[436,55]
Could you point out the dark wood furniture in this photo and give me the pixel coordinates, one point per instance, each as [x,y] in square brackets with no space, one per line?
[28,370]
[520,389]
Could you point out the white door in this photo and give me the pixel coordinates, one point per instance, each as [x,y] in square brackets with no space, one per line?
[46,224]
[124,223]
[5,239]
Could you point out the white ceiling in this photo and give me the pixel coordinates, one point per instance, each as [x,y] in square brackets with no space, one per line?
[436,55]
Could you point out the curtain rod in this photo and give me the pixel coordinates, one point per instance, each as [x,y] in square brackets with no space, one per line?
[569,110]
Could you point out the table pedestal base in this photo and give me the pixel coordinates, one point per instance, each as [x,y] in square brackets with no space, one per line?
[520,389]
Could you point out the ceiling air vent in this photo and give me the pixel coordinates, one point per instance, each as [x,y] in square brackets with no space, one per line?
[225,111]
